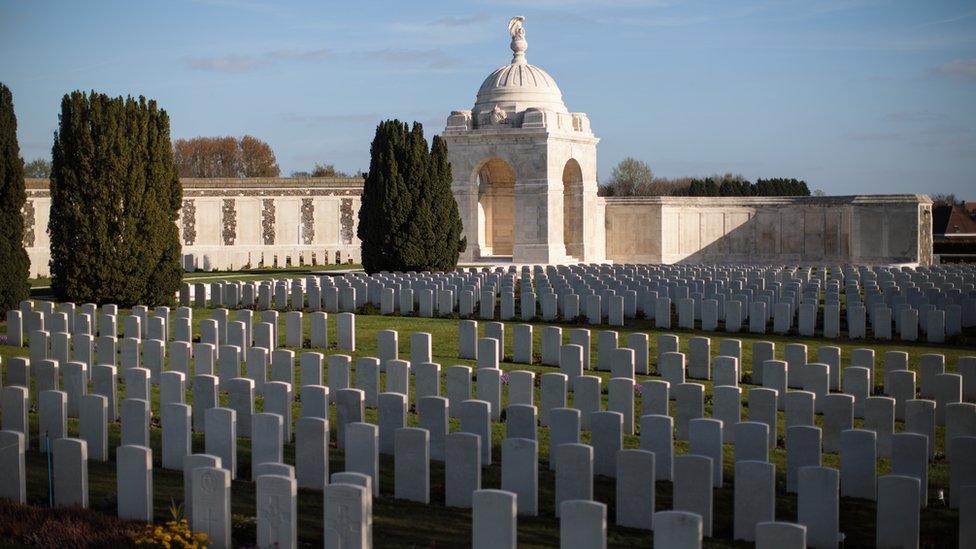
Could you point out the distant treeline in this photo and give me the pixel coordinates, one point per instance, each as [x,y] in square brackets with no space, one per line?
[732,187]
[633,177]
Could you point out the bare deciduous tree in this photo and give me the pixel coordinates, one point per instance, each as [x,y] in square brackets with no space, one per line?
[224,157]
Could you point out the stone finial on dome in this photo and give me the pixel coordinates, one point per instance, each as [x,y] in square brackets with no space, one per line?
[518,45]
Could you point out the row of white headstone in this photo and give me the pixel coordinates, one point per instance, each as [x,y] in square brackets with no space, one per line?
[794,371]
[57,332]
[803,441]
[740,299]
[694,475]
[247,331]
[491,344]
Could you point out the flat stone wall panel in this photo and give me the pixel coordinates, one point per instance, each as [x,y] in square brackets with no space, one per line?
[871,229]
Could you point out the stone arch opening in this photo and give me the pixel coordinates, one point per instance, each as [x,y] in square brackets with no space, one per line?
[496,208]
[573,209]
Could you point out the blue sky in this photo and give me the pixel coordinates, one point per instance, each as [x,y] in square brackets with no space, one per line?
[854,96]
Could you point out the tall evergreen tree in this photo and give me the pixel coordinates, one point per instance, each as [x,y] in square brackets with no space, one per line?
[115,198]
[419,229]
[385,201]
[448,242]
[14,263]
[408,219]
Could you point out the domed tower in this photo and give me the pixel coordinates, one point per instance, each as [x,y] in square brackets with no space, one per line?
[525,169]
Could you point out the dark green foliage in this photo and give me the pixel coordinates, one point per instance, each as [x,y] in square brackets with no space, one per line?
[14,263]
[385,201]
[735,186]
[408,220]
[115,198]
[448,242]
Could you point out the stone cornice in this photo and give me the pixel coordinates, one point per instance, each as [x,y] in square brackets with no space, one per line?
[516,135]
[755,201]
[256,186]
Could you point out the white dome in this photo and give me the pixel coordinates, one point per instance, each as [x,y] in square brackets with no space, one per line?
[519,85]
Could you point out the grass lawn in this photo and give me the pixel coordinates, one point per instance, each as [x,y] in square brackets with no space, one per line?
[406,524]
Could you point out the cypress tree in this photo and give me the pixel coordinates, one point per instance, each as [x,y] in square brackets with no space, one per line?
[448,242]
[14,263]
[408,219]
[419,229]
[386,202]
[115,197]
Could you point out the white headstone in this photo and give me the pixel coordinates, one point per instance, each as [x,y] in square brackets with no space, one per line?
[221,437]
[70,456]
[754,497]
[858,459]
[462,472]
[312,452]
[818,505]
[520,473]
[134,482]
[412,464]
[362,451]
[677,530]
[693,488]
[211,505]
[493,520]
[12,453]
[635,489]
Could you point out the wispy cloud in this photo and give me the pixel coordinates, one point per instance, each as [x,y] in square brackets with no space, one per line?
[915,117]
[447,30]
[588,3]
[431,58]
[236,63]
[300,55]
[923,128]
[461,21]
[230,63]
[254,6]
[660,21]
[875,136]
[958,69]
[953,19]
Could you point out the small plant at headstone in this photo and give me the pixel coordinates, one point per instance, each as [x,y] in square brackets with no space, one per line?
[175,510]
[242,526]
[175,534]
[368,309]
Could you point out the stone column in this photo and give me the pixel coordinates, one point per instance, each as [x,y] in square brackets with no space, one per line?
[466,195]
[538,221]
